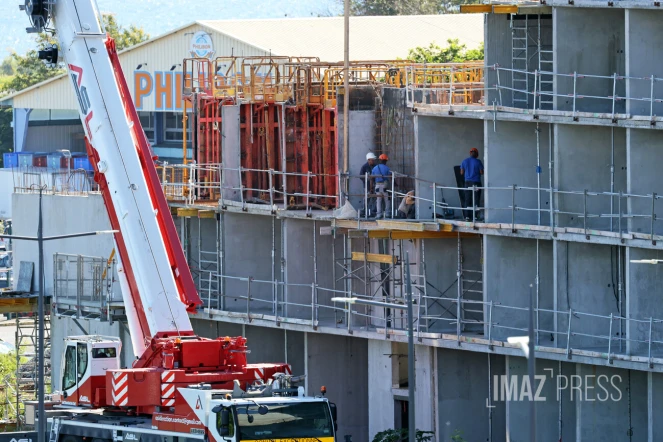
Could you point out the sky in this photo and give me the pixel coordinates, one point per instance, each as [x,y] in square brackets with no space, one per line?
[160,16]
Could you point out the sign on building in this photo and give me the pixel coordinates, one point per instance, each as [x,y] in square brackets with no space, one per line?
[201,45]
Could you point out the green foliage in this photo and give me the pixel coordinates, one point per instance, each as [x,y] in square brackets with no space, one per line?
[6,136]
[402,435]
[27,70]
[124,37]
[406,7]
[457,436]
[7,385]
[454,53]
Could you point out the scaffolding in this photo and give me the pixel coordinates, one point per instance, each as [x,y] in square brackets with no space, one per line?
[27,379]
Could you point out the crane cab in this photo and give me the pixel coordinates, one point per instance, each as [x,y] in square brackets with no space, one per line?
[84,364]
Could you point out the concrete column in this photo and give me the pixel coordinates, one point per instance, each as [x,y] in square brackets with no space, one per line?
[21,119]
[362,140]
[510,268]
[381,399]
[581,31]
[511,159]
[231,151]
[442,143]
[425,398]
[463,394]
[346,382]
[655,398]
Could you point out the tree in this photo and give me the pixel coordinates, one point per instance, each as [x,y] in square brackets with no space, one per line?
[27,70]
[30,70]
[454,53]
[406,7]
[124,37]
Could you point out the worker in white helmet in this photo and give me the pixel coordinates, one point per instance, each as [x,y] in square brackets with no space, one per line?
[367,168]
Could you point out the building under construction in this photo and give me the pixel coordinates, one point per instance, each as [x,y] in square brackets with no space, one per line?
[271,212]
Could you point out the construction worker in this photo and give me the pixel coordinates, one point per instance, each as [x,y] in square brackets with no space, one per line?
[382,175]
[367,168]
[406,208]
[472,169]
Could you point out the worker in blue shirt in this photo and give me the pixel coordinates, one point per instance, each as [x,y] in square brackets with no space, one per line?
[382,175]
[472,169]
[367,168]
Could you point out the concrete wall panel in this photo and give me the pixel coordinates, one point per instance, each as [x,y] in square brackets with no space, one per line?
[463,392]
[510,268]
[341,364]
[644,156]
[511,159]
[582,31]
[583,155]
[442,143]
[643,58]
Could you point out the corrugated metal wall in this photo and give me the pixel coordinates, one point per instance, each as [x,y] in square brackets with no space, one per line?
[157,56]
[53,138]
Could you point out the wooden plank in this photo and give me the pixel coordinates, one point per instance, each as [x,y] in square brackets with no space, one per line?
[431,235]
[207,214]
[505,9]
[475,9]
[185,212]
[353,224]
[173,211]
[401,225]
[374,257]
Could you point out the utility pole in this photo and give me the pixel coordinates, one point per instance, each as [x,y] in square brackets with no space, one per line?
[346,93]
[410,354]
[41,375]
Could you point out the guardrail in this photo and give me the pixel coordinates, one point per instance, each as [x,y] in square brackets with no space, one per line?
[576,94]
[586,210]
[83,286]
[572,330]
[74,182]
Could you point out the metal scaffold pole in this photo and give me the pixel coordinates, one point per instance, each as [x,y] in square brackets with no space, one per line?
[346,91]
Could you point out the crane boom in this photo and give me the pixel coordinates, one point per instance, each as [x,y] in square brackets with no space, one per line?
[157,284]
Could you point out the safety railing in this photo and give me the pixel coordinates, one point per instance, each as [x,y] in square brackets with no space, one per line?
[191,183]
[83,286]
[587,211]
[440,317]
[77,182]
[612,96]
[445,84]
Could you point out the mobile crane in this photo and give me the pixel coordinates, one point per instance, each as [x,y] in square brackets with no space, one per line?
[181,385]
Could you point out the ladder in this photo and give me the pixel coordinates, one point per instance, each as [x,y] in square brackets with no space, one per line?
[470,281]
[545,58]
[531,50]
[208,269]
[520,61]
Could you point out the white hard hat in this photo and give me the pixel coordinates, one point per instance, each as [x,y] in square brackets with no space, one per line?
[370,156]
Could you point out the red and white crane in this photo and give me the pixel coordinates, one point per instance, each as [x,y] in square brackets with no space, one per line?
[157,285]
